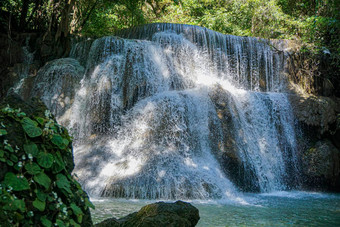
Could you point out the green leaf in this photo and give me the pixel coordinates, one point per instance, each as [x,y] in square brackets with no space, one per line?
[80,218]
[2,152]
[3,132]
[60,223]
[41,196]
[88,203]
[40,205]
[9,162]
[58,164]
[58,140]
[14,158]
[50,198]
[30,127]
[31,148]
[45,221]
[40,120]
[76,209]
[63,183]
[9,148]
[15,205]
[18,183]
[32,168]
[66,142]
[45,159]
[20,204]
[73,223]
[43,180]
[54,128]
[21,114]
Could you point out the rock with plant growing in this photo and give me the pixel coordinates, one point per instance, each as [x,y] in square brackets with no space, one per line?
[36,186]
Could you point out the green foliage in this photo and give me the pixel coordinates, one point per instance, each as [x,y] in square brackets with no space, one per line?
[109,16]
[31,127]
[16,182]
[37,189]
[43,180]
[315,21]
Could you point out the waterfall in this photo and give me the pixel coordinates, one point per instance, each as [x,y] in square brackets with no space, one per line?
[265,137]
[24,69]
[161,108]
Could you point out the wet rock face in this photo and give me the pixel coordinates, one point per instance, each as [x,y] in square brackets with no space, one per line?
[158,214]
[10,54]
[56,84]
[238,172]
[321,166]
[315,110]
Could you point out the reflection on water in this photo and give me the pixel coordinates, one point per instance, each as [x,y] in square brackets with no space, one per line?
[267,209]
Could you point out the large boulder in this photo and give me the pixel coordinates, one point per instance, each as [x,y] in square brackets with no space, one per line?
[158,214]
[321,166]
[56,84]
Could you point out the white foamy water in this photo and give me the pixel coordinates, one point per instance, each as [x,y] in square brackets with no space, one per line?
[146,126]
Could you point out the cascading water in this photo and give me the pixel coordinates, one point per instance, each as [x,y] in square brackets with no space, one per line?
[146,125]
[25,67]
[265,136]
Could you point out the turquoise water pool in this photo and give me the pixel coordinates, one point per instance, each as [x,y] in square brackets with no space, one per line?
[271,209]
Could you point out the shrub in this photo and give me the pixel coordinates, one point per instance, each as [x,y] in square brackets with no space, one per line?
[36,188]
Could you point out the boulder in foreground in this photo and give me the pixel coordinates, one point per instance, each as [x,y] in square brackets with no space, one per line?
[158,214]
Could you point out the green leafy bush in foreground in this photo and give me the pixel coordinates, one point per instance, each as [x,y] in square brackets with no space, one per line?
[36,188]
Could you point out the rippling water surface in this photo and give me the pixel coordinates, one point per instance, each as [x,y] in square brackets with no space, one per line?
[268,209]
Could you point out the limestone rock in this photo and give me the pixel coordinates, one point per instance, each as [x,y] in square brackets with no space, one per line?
[315,110]
[321,166]
[158,214]
[111,222]
[238,172]
[56,84]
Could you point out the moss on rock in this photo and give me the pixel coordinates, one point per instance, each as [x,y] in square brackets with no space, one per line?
[321,166]
[158,214]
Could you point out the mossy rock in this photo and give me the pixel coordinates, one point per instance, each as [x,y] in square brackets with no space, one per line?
[158,214]
[321,166]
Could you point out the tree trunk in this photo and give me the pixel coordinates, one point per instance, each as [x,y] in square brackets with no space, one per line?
[23,15]
[63,28]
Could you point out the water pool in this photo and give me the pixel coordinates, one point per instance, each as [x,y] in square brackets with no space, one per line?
[268,209]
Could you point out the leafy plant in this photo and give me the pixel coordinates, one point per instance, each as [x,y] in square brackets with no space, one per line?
[37,189]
